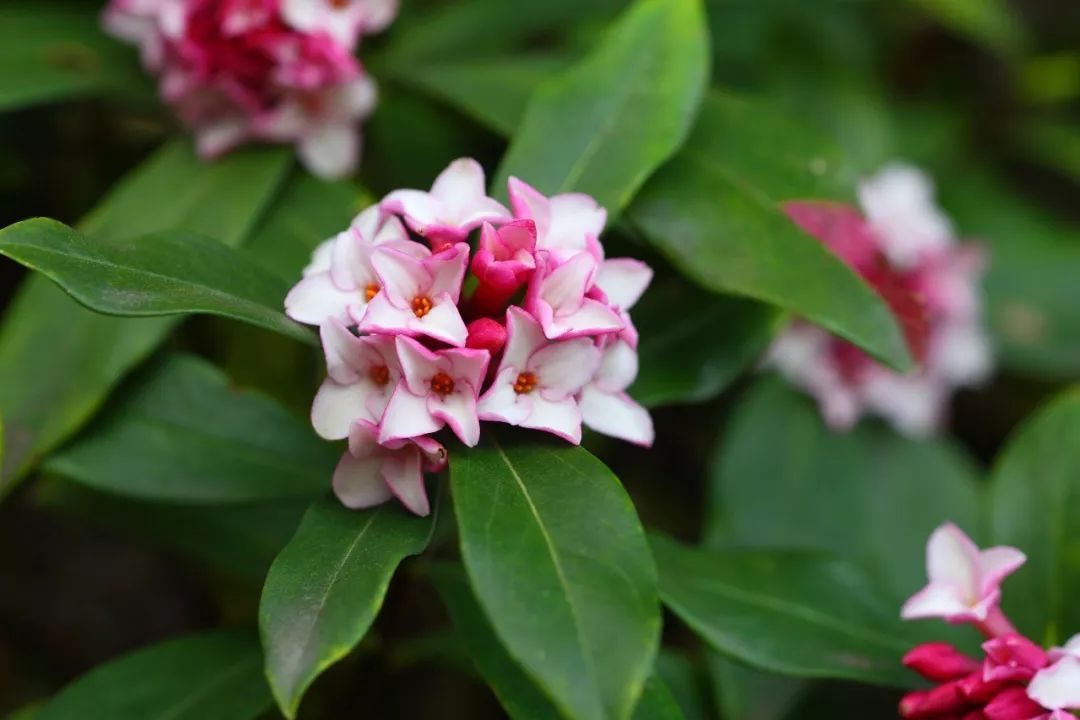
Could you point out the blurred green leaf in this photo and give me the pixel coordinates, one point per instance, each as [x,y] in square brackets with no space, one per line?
[1035,506]
[184,435]
[521,699]
[990,22]
[54,52]
[869,495]
[558,560]
[240,540]
[789,612]
[606,124]
[694,344]
[714,211]
[306,212]
[325,588]
[1031,283]
[210,676]
[745,693]
[46,396]
[168,273]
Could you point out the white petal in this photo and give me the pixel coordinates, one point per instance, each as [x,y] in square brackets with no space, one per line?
[406,416]
[952,559]
[501,403]
[1058,686]
[459,186]
[615,414]
[936,601]
[447,270]
[316,299]
[405,478]
[524,337]
[563,368]
[592,318]
[623,280]
[419,208]
[561,417]
[458,409]
[402,277]
[331,150]
[618,368]
[358,482]
[528,203]
[564,287]
[337,407]
[574,217]
[443,322]
[418,364]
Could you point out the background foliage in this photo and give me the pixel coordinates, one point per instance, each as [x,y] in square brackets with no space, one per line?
[148,500]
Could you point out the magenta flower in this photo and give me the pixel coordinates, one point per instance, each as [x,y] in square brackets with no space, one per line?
[1012,657]
[557,297]
[456,205]
[440,388]
[605,406]
[372,472]
[503,262]
[341,281]
[565,224]
[418,296]
[965,582]
[343,20]
[537,380]
[362,374]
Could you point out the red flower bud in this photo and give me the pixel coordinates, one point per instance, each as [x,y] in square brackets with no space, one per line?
[940,662]
[486,334]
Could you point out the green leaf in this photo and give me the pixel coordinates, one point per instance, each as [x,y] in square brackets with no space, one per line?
[211,676]
[604,126]
[59,52]
[169,273]
[1031,279]
[44,398]
[240,540]
[694,344]
[789,612]
[327,585]
[306,212]
[869,495]
[516,692]
[558,560]
[185,436]
[714,213]
[990,22]
[743,693]
[1035,506]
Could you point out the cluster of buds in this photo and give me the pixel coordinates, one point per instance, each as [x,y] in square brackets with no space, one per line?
[904,248]
[421,331]
[279,71]
[1017,679]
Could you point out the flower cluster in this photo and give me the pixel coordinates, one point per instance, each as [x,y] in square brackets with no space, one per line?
[422,332]
[237,71]
[904,247]
[1017,680]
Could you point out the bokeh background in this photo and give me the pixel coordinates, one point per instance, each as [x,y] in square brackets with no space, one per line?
[984,94]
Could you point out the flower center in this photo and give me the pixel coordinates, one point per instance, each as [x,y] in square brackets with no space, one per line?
[525,383]
[379,374]
[442,384]
[421,305]
[339,4]
[371,291]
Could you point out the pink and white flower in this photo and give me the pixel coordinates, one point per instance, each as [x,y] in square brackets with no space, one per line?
[362,375]
[372,472]
[537,380]
[456,205]
[503,262]
[558,298]
[340,281]
[419,296]
[623,281]
[965,582]
[565,224]
[440,388]
[237,71]
[1057,687]
[905,250]
[605,405]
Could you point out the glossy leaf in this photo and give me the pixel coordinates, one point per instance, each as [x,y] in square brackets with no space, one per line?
[890,492]
[240,540]
[793,613]
[1035,506]
[326,587]
[606,124]
[714,212]
[584,625]
[45,398]
[185,435]
[58,52]
[694,344]
[169,273]
[211,676]
[518,695]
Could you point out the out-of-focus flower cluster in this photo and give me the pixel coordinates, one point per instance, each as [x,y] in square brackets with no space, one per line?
[904,247]
[280,71]
[1017,679]
[422,331]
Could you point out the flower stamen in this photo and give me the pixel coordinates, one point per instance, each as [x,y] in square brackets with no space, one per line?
[371,291]
[380,375]
[421,305]
[525,383]
[442,384]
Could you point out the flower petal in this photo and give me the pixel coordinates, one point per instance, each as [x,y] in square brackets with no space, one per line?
[524,337]
[337,406]
[467,364]
[623,280]
[615,414]
[997,563]
[443,322]
[406,416]
[358,482]
[458,410]
[501,403]
[563,368]
[315,299]
[592,318]
[618,368]
[936,601]
[330,150]
[401,277]
[574,217]
[418,364]
[564,287]
[405,478]
[447,270]
[558,417]
[529,204]
[419,208]
[1058,686]
[953,559]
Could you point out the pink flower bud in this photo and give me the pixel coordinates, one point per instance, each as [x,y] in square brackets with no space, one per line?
[486,334]
[1013,704]
[941,701]
[940,662]
[1013,657]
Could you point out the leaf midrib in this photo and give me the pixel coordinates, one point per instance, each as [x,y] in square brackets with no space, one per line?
[234,670]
